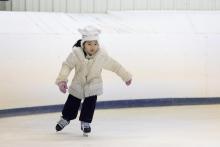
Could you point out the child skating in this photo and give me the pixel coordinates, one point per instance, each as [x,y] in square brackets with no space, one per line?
[88,59]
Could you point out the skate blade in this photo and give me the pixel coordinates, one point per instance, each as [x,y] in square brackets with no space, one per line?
[85,134]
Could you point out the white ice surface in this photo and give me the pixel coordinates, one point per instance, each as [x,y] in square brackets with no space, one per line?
[182,126]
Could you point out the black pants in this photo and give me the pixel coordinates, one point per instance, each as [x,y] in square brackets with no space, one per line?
[71,107]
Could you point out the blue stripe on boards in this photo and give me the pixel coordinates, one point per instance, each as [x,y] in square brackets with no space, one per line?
[131,103]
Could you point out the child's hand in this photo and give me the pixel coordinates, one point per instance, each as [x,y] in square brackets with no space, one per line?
[62,86]
[128,82]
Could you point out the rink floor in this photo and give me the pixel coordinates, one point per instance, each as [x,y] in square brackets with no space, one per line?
[176,126]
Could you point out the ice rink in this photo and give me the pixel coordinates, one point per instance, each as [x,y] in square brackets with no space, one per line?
[180,51]
[172,54]
[182,126]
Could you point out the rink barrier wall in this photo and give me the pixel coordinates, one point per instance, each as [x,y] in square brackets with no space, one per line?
[115,104]
[102,6]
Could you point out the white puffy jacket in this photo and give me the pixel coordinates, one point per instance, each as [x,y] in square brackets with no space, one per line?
[87,80]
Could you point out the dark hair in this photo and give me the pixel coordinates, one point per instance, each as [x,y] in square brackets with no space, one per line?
[78,43]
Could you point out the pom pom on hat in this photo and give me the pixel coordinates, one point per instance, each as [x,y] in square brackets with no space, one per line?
[89,33]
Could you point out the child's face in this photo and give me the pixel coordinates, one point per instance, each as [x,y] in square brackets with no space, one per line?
[91,47]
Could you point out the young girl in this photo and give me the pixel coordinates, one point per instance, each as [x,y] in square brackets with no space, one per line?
[88,59]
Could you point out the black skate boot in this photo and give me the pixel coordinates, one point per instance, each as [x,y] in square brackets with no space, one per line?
[85,127]
[61,124]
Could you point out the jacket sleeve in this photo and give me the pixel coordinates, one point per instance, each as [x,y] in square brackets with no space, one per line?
[66,68]
[112,65]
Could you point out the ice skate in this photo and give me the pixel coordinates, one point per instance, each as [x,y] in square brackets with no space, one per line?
[61,124]
[85,127]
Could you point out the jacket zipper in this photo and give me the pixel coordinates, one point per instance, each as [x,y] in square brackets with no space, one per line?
[84,87]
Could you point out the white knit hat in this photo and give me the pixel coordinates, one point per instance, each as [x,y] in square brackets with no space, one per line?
[89,33]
